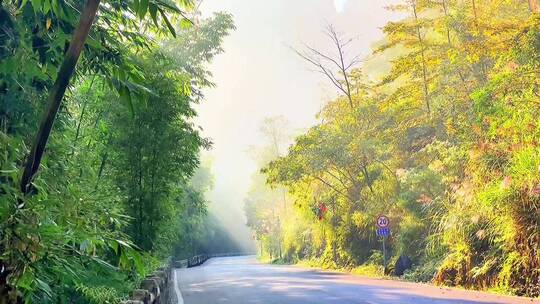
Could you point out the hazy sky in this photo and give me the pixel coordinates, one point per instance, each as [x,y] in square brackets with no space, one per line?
[259,76]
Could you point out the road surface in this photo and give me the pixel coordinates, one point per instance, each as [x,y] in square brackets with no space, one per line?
[242,280]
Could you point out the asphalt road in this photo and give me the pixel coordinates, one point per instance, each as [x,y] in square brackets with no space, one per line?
[242,280]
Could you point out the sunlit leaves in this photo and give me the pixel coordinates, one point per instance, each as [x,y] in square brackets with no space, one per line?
[460,182]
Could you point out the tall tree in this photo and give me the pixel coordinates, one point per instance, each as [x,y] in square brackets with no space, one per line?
[336,67]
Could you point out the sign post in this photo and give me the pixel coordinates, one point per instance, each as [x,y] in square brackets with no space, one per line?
[383,224]
[384,253]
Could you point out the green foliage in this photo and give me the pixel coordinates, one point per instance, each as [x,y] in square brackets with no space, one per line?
[373,267]
[115,188]
[445,144]
[424,272]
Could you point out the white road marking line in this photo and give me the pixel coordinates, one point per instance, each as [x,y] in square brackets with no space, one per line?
[180,299]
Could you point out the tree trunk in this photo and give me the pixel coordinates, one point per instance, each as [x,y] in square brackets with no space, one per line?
[483,68]
[101,168]
[57,93]
[445,10]
[422,52]
[139,220]
[83,111]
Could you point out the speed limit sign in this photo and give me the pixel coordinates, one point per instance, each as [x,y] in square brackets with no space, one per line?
[383,230]
[383,221]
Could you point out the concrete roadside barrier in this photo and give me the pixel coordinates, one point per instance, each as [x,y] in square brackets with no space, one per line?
[157,288]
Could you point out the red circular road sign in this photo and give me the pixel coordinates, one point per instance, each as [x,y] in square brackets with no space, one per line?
[383,221]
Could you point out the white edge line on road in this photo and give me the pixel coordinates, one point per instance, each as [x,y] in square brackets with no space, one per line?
[179,298]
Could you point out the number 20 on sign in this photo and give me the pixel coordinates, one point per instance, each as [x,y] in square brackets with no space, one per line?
[383,221]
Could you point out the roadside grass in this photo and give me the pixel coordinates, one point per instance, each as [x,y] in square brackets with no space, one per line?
[422,274]
[365,270]
[371,271]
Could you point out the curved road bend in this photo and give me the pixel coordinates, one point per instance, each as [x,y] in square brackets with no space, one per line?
[242,280]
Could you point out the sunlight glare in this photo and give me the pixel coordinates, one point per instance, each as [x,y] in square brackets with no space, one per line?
[340,5]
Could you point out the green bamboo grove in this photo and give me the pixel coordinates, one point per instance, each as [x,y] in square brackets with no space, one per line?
[97,145]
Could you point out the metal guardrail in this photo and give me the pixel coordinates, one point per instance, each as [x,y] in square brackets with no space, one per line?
[197,260]
[200,259]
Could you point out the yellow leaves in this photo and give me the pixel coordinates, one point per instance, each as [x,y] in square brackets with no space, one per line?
[472,58]
[437,166]
[361,220]
[450,128]
[452,55]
